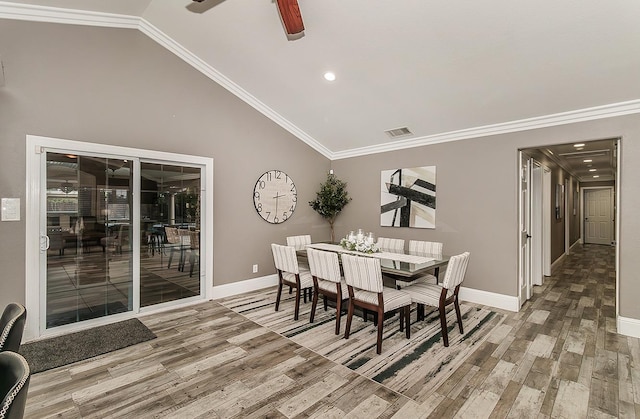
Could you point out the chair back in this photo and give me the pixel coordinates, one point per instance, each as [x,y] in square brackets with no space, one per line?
[12,326]
[14,384]
[299,242]
[362,272]
[324,265]
[456,269]
[285,258]
[424,248]
[390,245]
[194,239]
[172,235]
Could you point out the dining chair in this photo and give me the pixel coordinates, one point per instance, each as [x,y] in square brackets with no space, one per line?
[289,273]
[427,249]
[299,242]
[327,280]
[390,245]
[442,295]
[14,384]
[177,241]
[12,327]
[364,282]
[194,253]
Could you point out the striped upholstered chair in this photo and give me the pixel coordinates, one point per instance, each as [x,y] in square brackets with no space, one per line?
[390,245]
[442,295]
[364,281]
[299,242]
[327,280]
[427,249]
[289,273]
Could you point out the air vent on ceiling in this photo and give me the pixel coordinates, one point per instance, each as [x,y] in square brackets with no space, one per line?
[398,132]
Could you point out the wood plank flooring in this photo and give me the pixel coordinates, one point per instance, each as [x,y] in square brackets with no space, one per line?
[558,357]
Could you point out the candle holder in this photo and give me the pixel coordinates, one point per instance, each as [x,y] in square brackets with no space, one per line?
[360,242]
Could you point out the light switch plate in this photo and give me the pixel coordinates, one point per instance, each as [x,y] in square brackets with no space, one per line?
[10,209]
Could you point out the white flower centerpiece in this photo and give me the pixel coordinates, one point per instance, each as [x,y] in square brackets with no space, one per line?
[359,242]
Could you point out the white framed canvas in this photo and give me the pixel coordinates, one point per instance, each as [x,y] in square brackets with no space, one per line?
[408,197]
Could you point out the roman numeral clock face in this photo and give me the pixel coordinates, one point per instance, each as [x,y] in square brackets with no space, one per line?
[275,196]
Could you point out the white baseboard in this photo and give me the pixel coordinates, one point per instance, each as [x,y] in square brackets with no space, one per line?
[505,302]
[228,290]
[628,326]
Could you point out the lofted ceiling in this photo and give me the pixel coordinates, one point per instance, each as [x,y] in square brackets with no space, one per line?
[442,70]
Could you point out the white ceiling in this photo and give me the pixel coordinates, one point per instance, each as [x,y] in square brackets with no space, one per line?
[439,68]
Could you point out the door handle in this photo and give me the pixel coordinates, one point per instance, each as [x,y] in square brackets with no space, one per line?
[44,243]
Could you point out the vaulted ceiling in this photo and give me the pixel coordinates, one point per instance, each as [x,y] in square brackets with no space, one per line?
[443,70]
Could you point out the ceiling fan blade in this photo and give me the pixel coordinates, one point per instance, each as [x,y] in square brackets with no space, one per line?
[291,17]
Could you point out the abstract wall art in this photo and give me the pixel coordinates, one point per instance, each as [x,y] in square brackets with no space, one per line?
[408,197]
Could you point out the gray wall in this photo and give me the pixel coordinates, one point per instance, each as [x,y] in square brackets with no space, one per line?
[477,199]
[118,87]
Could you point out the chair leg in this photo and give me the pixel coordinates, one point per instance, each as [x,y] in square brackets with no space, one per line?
[407,320]
[380,316]
[443,325]
[297,310]
[314,304]
[290,290]
[349,318]
[458,315]
[338,313]
[278,295]
[324,298]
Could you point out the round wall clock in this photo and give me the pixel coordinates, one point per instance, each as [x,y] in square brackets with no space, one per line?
[275,196]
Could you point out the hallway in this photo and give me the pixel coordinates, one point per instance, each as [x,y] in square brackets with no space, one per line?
[558,357]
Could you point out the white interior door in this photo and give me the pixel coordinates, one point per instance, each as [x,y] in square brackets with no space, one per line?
[536,224]
[598,221]
[524,277]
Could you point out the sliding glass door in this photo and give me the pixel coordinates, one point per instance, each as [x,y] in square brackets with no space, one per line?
[170,232]
[89,270]
[118,235]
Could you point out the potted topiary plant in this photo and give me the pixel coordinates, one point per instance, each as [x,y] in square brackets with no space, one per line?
[331,199]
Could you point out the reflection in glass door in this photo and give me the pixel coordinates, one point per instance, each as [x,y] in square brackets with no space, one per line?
[170,233]
[88,217]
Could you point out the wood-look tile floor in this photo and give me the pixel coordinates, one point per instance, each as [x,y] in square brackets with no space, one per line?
[558,357]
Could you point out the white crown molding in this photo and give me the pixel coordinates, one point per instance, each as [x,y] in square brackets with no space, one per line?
[571,117]
[18,11]
[67,16]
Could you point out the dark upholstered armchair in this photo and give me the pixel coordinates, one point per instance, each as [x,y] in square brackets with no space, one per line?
[14,384]
[12,326]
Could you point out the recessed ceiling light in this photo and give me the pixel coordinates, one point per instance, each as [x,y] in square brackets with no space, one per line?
[329,76]
[587,161]
[592,170]
[596,176]
[579,145]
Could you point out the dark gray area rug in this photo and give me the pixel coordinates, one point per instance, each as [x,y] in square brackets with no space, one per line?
[66,349]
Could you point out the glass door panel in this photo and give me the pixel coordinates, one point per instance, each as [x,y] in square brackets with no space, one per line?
[170,233]
[89,260]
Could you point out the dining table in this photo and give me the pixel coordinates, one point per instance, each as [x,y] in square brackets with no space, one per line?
[394,265]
